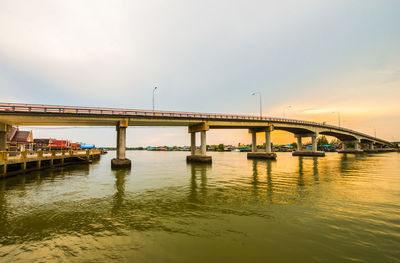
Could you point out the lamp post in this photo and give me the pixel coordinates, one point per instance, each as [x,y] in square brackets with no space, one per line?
[287,107]
[259,93]
[153,98]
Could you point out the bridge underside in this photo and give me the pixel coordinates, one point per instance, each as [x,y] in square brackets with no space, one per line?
[340,136]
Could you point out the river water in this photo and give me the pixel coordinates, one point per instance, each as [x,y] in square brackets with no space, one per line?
[340,208]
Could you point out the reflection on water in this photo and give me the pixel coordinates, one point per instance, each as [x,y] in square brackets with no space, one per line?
[340,208]
[198,193]
[120,189]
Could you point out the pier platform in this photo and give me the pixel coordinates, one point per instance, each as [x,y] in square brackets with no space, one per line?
[198,159]
[261,155]
[309,153]
[12,163]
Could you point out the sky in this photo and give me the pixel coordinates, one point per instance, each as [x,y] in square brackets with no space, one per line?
[311,60]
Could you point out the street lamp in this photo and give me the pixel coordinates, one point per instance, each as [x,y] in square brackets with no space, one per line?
[259,93]
[287,107]
[153,98]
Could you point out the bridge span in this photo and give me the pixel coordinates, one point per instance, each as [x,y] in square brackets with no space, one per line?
[55,115]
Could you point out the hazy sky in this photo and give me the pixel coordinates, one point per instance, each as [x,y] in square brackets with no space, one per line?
[318,57]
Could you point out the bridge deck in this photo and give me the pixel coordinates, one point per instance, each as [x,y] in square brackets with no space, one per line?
[53,115]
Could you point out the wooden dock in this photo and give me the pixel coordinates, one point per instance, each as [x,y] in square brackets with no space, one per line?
[12,162]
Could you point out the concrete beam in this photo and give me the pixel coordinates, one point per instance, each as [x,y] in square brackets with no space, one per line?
[261,129]
[124,123]
[198,127]
[305,135]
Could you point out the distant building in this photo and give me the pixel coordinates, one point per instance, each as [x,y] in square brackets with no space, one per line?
[51,144]
[19,140]
[40,144]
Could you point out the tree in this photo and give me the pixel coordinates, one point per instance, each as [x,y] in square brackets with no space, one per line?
[335,141]
[294,145]
[322,140]
[221,147]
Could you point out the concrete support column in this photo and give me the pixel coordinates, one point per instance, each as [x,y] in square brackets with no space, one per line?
[193,143]
[203,143]
[357,145]
[314,143]
[3,140]
[118,145]
[344,145]
[23,166]
[314,149]
[121,161]
[267,154]
[253,141]
[3,169]
[268,142]
[371,146]
[202,157]
[299,144]
[121,143]
[39,164]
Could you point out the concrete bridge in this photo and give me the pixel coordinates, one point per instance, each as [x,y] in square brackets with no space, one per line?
[51,115]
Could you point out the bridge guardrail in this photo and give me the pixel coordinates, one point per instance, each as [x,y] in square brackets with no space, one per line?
[16,107]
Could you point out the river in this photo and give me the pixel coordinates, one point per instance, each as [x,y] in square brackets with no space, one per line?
[339,208]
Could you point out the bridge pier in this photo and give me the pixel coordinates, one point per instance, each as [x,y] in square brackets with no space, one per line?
[346,149]
[299,144]
[4,128]
[267,154]
[313,152]
[121,161]
[371,148]
[195,156]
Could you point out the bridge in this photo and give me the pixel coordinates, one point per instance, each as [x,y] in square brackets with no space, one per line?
[55,115]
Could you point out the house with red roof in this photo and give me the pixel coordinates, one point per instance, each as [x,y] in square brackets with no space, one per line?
[18,140]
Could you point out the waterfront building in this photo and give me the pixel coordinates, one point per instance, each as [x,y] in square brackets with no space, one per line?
[18,140]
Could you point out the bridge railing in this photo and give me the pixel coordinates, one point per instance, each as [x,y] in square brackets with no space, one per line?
[16,107]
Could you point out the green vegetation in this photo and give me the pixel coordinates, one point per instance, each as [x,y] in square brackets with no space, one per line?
[322,140]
